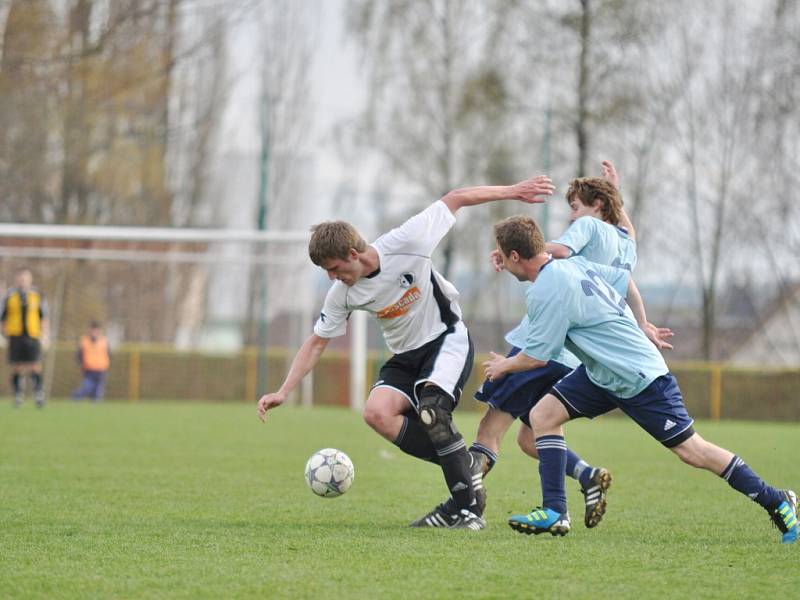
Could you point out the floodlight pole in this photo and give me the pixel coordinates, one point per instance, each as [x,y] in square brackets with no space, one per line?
[548,119]
[262,379]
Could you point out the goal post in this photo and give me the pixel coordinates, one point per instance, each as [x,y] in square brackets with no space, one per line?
[213,314]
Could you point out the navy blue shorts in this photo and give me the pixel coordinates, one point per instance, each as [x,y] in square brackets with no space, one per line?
[516,393]
[658,409]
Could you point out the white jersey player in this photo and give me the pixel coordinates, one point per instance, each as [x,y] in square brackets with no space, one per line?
[393,278]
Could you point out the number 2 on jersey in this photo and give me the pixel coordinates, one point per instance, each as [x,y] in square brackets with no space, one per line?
[592,287]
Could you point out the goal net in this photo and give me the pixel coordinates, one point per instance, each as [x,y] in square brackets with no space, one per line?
[211,315]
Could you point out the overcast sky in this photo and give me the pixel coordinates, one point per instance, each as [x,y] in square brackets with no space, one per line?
[338,90]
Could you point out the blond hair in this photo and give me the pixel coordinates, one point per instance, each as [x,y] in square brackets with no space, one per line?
[519,233]
[333,240]
[588,190]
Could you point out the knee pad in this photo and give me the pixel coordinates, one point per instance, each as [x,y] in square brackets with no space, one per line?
[435,414]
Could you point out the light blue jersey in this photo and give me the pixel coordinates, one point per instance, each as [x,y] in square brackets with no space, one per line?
[581,305]
[600,242]
[519,337]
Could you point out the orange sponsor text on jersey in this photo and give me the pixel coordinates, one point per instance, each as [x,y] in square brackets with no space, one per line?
[400,307]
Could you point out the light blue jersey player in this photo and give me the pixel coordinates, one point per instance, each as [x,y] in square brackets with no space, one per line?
[602,232]
[599,230]
[610,239]
[598,242]
[579,305]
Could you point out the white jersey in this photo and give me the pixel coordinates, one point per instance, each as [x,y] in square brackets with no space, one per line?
[412,302]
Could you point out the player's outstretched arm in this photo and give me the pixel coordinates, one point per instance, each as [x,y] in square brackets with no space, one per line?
[557,250]
[499,366]
[610,174]
[625,221]
[305,360]
[531,191]
[657,335]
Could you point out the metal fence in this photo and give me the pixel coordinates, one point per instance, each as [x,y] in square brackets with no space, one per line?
[145,372]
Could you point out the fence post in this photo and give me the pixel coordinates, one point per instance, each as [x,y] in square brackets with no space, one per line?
[716,392]
[251,374]
[134,375]
[358,360]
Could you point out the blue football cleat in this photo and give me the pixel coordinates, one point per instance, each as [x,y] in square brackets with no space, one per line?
[541,520]
[785,517]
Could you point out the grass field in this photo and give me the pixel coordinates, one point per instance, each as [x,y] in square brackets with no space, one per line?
[201,500]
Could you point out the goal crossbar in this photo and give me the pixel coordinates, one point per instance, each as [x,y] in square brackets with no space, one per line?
[358,348]
[151,234]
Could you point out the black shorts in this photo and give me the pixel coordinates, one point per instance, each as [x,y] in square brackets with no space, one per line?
[445,362]
[23,349]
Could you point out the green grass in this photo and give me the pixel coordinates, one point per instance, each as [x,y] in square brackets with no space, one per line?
[200,500]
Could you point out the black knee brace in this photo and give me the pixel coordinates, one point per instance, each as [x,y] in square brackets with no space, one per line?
[436,416]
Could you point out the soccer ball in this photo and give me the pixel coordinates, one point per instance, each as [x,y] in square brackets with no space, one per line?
[329,472]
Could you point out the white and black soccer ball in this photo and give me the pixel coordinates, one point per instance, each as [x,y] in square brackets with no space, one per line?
[329,472]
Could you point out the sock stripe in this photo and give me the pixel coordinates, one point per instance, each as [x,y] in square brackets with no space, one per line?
[732,466]
[551,441]
[402,433]
[454,447]
[744,480]
[483,450]
[551,445]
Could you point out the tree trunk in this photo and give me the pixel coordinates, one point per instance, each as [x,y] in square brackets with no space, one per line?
[447,112]
[708,325]
[582,124]
[74,191]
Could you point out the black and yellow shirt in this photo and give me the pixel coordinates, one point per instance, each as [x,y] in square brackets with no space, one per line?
[23,313]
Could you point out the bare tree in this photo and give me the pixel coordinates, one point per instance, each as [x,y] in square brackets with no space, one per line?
[714,126]
[26,92]
[424,61]
[285,113]
[192,104]
[110,111]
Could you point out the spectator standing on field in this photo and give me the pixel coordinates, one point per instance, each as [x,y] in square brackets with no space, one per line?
[95,359]
[25,324]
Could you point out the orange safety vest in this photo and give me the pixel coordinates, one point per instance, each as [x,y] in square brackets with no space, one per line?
[17,323]
[94,354]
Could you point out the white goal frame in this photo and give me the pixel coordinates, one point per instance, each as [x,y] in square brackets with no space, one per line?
[358,337]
